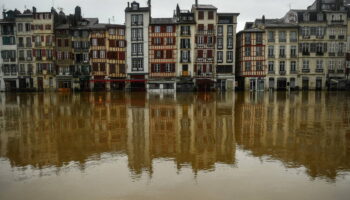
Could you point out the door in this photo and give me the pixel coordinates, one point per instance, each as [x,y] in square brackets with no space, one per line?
[318,84]
[305,85]
[252,84]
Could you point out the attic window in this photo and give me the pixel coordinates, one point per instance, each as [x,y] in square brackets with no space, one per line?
[319,17]
[306,17]
[135,6]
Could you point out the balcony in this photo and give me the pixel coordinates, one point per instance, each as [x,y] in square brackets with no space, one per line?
[283,73]
[283,56]
[282,40]
[271,56]
[185,60]
[29,58]
[305,70]
[204,75]
[9,59]
[8,33]
[49,44]
[331,54]
[341,37]
[341,54]
[293,56]
[331,71]
[319,70]
[205,32]
[305,53]
[332,37]
[271,72]
[186,33]
[29,45]
[306,36]
[293,40]
[319,36]
[21,59]
[293,72]
[340,71]
[38,44]
[271,40]
[337,21]
[319,53]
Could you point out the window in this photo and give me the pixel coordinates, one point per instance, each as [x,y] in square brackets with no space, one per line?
[156,67]
[94,42]
[157,29]
[121,32]
[185,43]
[59,55]
[259,38]
[230,43]
[247,51]
[259,51]
[220,43]
[201,15]
[20,27]
[320,31]
[259,66]
[170,41]
[220,56]
[102,54]
[220,30]
[137,20]
[306,17]
[271,36]
[305,64]
[282,36]
[293,66]
[185,30]
[282,51]
[319,64]
[112,31]
[293,51]
[200,40]
[271,51]
[282,66]
[168,67]
[320,17]
[229,56]
[169,29]
[271,66]
[66,55]
[305,31]
[94,54]
[137,64]
[293,36]
[158,54]
[247,38]
[210,15]
[230,30]
[248,66]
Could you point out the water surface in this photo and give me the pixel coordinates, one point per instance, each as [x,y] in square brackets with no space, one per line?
[123,146]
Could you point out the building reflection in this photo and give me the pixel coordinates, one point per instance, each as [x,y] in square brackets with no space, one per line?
[308,130]
[196,131]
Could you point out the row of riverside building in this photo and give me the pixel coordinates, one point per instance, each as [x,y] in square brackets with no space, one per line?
[194,49]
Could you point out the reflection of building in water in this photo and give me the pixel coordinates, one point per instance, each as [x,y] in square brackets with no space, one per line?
[302,129]
[46,130]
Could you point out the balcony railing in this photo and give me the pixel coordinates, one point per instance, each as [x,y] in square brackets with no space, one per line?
[206,32]
[332,37]
[271,72]
[282,73]
[331,71]
[293,72]
[305,53]
[341,37]
[340,71]
[319,70]
[305,70]
[21,58]
[319,53]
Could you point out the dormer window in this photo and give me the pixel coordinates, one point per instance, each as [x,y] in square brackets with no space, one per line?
[320,17]
[306,17]
[135,6]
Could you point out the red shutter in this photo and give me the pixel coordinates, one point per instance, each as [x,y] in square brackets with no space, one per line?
[163,29]
[162,68]
[210,54]
[43,52]
[121,56]
[204,68]
[42,39]
[34,53]
[205,39]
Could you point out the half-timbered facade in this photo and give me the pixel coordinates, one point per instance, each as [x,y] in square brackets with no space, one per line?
[162,54]
[251,58]
[43,50]
[205,39]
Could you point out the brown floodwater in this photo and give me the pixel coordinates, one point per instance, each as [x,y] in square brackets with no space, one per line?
[121,146]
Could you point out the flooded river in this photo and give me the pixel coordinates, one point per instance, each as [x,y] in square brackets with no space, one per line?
[121,146]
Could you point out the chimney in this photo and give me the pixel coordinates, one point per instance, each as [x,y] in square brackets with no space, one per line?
[128,4]
[34,10]
[196,3]
[263,19]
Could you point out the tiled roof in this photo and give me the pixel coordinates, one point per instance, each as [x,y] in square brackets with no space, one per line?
[163,21]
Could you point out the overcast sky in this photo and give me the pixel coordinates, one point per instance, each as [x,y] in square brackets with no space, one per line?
[104,9]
